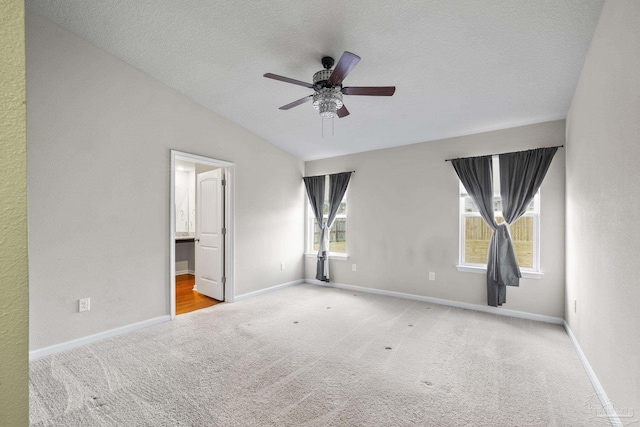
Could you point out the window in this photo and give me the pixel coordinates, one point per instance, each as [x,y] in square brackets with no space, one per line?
[475,235]
[338,232]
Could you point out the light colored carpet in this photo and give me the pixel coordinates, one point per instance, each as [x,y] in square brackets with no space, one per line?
[315,356]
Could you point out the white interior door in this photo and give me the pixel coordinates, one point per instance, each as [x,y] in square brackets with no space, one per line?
[209,242]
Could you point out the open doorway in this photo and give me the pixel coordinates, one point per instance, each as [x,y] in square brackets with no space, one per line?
[201,232]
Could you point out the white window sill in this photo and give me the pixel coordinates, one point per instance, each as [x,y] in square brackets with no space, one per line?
[483,270]
[337,256]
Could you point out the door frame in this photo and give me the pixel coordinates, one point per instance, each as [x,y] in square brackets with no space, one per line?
[229,208]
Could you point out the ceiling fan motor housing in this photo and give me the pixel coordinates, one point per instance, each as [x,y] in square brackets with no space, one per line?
[321,79]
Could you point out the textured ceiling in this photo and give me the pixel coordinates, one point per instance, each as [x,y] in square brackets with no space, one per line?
[460,66]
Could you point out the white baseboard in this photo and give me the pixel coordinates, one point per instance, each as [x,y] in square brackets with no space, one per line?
[185,272]
[607,406]
[266,290]
[468,306]
[57,348]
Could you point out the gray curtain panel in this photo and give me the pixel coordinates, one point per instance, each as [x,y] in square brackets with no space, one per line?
[521,175]
[315,193]
[338,184]
[476,175]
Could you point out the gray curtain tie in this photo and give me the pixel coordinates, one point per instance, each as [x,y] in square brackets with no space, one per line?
[499,251]
[504,264]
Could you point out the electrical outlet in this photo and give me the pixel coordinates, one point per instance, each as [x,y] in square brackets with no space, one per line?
[432,275]
[353,267]
[84,304]
[282,266]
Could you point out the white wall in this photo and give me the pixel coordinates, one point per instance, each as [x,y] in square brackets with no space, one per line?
[603,204]
[414,190]
[185,185]
[99,139]
[185,257]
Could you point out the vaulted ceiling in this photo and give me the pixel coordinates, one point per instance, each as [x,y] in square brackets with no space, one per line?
[460,66]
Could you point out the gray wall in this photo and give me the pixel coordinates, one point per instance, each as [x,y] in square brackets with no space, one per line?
[99,140]
[603,204]
[416,191]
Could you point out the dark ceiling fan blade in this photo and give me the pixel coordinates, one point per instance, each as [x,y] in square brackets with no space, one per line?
[288,80]
[369,90]
[346,63]
[296,103]
[343,112]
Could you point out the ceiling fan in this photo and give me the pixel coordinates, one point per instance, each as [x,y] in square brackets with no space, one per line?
[327,84]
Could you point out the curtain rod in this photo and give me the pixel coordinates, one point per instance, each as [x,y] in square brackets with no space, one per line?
[510,152]
[328,174]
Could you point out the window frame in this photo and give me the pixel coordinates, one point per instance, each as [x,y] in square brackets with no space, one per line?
[470,267]
[310,228]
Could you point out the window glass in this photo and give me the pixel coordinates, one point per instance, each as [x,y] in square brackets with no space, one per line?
[337,236]
[478,236]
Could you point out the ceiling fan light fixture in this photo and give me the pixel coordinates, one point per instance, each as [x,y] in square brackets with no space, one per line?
[327,101]
[327,98]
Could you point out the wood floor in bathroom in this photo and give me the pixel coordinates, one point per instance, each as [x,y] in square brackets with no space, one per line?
[187,299]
